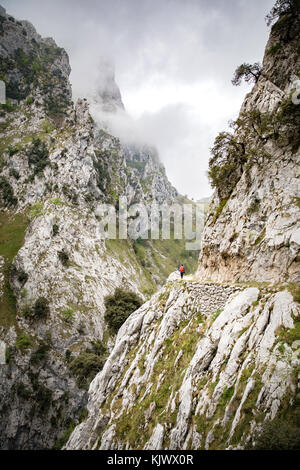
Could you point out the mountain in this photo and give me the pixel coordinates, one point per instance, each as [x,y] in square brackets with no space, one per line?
[57,166]
[213,362]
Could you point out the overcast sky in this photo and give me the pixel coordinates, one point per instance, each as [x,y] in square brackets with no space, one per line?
[174,60]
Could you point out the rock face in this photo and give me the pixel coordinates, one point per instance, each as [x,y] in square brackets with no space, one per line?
[252,230]
[207,363]
[190,372]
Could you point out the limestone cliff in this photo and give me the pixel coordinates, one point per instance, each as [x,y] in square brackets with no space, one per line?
[252,231]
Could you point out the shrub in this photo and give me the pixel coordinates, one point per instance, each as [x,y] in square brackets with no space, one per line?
[119,306]
[41,308]
[14,173]
[55,229]
[37,209]
[7,193]
[40,354]
[278,435]
[64,437]
[23,342]
[85,367]
[8,106]
[29,100]
[38,155]
[254,205]
[63,257]
[12,150]
[19,274]
[225,165]
[22,391]
[68,315]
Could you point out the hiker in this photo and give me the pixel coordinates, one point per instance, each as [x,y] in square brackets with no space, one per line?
[181,270]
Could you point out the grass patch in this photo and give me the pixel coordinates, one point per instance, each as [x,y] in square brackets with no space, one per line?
[12,232]
[23,342]
[36,210]
[68,315]
[289,335]
[57,201]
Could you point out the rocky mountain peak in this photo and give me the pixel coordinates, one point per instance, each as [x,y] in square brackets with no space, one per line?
[107,95]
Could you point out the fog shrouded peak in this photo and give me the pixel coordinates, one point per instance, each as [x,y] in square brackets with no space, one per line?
[105,92]
[108,110]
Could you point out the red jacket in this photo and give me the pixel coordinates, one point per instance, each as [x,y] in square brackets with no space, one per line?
[181,269]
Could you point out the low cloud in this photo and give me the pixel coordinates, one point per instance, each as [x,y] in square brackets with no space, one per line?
[173,60]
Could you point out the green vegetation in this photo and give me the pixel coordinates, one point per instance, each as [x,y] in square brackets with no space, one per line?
[87,364]
[23,342]
[14,173]
[225,165]
[217,313]
[55,230]
[294,289]
[289,335]
[47,127]
[42,397]
[296,200]
[68,315]
[260,237]
[41,308]
[281,8]
[40,355]
[37,209]
[7,193]
[274,48]
[101,167]
[254,205]
[162,257]
[283,432]
[38,155]
[219,209]
[30,100]
[136,164]
[57,201]
[133,425]
[119,306]
[34,69]
[8,107]
[19,274]
[63,439]
[250,73]
[12,232]
[64,258]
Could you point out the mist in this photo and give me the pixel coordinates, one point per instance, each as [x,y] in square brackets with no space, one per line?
[173,62]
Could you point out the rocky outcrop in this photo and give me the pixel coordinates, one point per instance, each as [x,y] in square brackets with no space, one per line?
[252,230]
[182,376]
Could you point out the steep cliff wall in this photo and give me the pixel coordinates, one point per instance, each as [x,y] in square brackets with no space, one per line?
[252,230]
